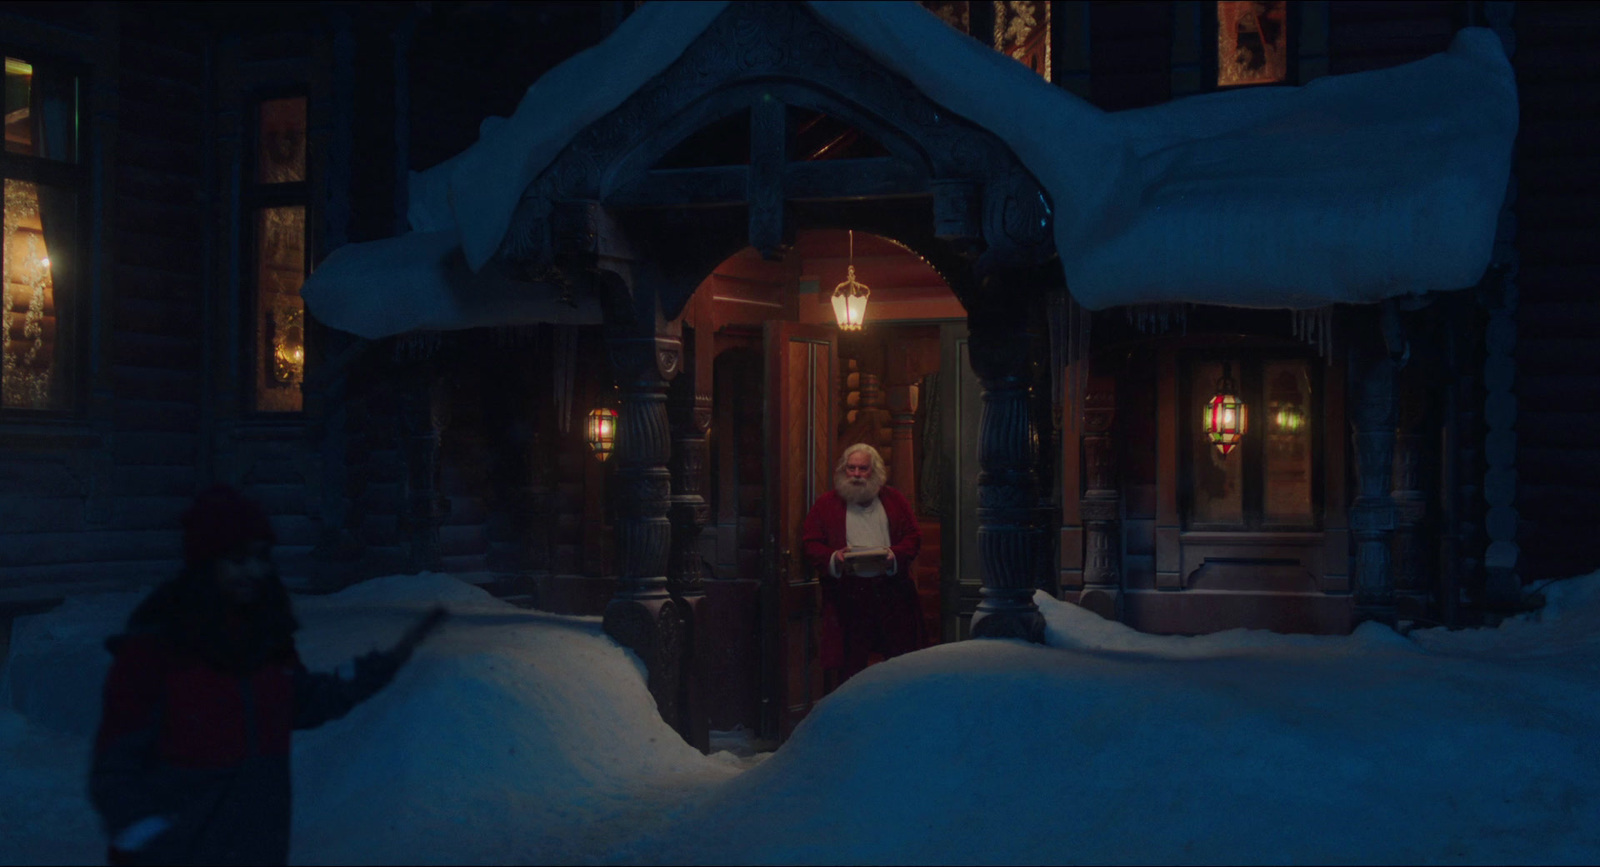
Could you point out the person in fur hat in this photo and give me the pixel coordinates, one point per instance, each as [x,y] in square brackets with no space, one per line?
[191,760]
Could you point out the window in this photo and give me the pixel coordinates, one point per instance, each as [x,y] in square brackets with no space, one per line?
[42,279]
[1271,481]
[276,203]
[1252,42]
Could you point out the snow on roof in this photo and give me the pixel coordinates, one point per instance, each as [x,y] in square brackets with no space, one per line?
[1352,188]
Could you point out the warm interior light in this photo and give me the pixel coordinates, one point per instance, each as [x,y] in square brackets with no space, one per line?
[850,297]
[1289,419]
[602,432]
[289,346]
[1225,417]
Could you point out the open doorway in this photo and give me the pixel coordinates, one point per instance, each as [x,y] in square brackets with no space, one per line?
[790,391]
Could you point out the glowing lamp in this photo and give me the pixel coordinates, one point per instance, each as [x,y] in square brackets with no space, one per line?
[850,297]
[850,302]
[1289,419]
[1225,417]
[289,346]
[602,432]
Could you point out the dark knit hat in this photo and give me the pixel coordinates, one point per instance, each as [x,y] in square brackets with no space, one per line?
[221,520]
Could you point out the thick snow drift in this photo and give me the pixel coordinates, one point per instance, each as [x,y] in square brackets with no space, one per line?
[518,736]
[1353,188]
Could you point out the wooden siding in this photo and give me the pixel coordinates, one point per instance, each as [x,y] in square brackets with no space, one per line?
[103,510]
[1558,309]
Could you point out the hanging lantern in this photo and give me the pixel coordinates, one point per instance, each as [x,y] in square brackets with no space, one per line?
[850,297]
[602,432]
[1225,417]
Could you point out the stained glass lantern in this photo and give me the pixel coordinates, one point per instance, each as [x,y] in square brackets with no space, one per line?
[602,432]
[1225,417]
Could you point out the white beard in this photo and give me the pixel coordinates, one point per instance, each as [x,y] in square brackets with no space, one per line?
[857,492]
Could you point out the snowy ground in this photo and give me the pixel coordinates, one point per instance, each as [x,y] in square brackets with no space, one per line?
[516,736]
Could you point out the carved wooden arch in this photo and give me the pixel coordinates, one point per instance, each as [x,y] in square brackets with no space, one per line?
[975,195]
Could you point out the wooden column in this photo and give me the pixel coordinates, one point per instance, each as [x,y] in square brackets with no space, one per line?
[1007,486]
[903,415]
[642,616]
[1101,507]
[1412,585]
[1372,517]
[689,413]
[423,417]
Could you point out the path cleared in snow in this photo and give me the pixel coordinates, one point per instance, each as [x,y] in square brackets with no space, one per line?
[517,736]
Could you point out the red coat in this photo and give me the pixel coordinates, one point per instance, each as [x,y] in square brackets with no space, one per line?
[202,746]
[862,616]
[823,533]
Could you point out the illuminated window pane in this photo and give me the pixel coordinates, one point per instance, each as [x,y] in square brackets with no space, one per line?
[41,112]
[1287,498]
[280,246]
[1252,42]
[1216,479]
[36,342]
[281,143]
[1022,30]
[19,106]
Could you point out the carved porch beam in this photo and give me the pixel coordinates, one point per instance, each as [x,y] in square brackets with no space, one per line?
[822,181]
[764,192]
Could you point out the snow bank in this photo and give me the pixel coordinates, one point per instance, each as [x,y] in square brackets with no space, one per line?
[520,736]
[1352,189]
[1243,747]
[512,736]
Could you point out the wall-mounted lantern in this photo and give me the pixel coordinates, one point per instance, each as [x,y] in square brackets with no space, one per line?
[850,297]
[1225,417]
[602,432]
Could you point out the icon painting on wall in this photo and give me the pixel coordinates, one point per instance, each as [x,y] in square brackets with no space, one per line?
[1252,42]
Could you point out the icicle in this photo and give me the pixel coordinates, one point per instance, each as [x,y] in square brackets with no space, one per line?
[417,345]
[1315,327]
[1157,318]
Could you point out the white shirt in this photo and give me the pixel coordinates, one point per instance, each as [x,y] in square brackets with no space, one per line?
[865,526]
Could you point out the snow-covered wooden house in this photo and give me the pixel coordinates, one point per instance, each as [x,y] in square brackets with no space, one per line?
[1199,315]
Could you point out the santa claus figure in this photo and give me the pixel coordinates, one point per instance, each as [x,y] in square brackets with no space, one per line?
[861,538]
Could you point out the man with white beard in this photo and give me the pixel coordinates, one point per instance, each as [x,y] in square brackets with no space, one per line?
[861,538]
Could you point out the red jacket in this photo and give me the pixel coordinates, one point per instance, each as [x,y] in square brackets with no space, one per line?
[202,747]
[823,532]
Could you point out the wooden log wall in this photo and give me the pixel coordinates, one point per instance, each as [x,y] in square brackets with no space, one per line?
[95,503]
[1558,308]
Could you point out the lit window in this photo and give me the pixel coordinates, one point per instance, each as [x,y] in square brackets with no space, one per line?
[278,243]
[1252,42]
[39,257]
[1268,482]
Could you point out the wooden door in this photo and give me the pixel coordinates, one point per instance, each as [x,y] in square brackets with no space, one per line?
[961,397]
[802,389]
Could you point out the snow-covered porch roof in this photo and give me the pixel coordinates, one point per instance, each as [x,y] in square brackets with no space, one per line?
[1351,189]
